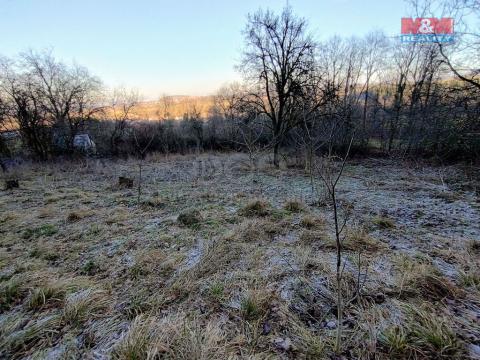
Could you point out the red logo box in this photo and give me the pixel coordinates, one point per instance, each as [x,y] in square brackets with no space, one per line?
[425,26]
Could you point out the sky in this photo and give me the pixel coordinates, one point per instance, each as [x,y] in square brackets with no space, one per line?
[174,47]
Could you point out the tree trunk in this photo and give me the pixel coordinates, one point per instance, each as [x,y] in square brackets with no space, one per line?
[276,160]
[338,340]
[365,105]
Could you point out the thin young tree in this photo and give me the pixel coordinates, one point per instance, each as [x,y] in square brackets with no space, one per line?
[143,138]
[330,172]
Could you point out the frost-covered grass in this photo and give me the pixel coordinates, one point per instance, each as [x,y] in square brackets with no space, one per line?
[217,262]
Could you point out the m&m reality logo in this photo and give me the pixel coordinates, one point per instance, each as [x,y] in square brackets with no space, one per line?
[425,30]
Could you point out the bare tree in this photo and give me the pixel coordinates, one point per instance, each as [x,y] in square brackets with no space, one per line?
[165,107]
[403,59]
[194,124]
[278,60]
[68,93]
[3,125]
[229,100]
[24,104]
[121,107]
[374,44]
[251,131]
[462,57]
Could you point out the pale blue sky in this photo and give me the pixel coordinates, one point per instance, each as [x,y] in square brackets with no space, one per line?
[173,47]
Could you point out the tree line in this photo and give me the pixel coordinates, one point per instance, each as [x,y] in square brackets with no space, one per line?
[297,95]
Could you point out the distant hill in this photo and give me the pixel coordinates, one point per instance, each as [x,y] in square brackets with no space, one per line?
[174,107]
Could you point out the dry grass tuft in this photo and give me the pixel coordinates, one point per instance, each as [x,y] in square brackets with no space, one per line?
[360,240]
[154,202]
[307,342]
[216,291]
[426,281]
[154,262]
[139,303]
[84,304]
[308,261]
[43,230]
[40,296]
[78,215]
[448,196]
[117,216]
[9,323]
[196,341]
[423,334]
[190,217]
[33,333]
[470,278]
[394,341]
[172,337]
[46,212]
[383,222]
[355,240]
[90,267]
[217,256]
[255,208]
[8,216]
[255,230]
[53,292]
[314,237]
[310,222]
[473,247]
[254,304]
[136,344]
[11,292]
[294,206]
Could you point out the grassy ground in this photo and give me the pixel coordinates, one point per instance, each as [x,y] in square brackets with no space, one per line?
[217,261]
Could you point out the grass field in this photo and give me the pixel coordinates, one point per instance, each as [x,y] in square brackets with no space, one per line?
[218,261]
